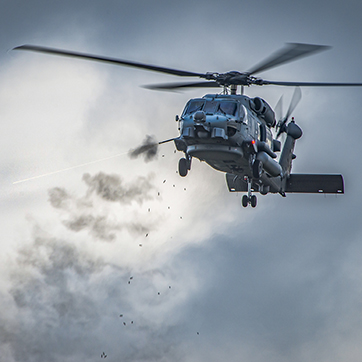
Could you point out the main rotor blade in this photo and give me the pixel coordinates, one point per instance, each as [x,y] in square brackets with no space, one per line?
[309,84]
[290,52]
[172,86]
[67,53]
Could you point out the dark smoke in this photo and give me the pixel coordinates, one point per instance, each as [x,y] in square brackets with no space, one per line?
[101,228]
[59,198]
[148,149]
[81,214]
[112,188]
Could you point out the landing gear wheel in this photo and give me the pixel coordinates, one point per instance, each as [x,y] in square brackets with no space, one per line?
[253,201]
[257,168]
[244,201]
[182,167]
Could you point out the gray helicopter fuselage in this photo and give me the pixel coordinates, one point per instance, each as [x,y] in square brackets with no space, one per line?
[224,131]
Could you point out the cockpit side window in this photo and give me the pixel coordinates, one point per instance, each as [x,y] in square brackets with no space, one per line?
[194,106]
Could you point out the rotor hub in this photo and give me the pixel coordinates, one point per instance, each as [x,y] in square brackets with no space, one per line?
[232,77]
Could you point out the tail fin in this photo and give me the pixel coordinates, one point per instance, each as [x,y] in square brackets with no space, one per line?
[286,158]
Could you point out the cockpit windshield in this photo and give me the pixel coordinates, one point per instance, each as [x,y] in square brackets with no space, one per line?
[229,108]
[194,106]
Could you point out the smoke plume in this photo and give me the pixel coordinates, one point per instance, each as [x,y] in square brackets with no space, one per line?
[82,213]
[148,149]
[112,188]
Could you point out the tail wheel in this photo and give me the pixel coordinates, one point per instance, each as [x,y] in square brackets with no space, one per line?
[257,168]
[182,167]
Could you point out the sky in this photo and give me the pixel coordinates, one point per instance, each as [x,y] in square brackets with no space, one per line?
[125,258]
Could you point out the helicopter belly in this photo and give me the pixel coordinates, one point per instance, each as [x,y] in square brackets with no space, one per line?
[221,157]
[215,152]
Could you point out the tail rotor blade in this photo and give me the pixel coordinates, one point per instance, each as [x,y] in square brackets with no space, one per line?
[281,126]
[297,96]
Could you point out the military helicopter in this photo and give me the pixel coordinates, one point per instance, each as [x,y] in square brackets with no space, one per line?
[233,132]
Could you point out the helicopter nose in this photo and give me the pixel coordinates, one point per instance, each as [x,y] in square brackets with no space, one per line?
[199,116]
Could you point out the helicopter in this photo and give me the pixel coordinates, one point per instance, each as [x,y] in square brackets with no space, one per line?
[234,133]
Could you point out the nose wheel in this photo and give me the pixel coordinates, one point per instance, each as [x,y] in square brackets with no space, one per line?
[184,165]
[249,198]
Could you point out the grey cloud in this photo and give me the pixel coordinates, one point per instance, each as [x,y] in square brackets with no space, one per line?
[67,303]
[49,287]
[274,294]
[47,253]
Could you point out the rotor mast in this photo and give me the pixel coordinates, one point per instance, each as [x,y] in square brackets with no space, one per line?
[233,88]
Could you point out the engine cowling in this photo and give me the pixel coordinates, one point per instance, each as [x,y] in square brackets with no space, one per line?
[263,110]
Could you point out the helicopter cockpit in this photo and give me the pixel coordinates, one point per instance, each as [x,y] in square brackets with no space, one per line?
[211,117]
[211,107]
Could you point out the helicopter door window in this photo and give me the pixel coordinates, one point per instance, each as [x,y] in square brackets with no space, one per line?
[194,106]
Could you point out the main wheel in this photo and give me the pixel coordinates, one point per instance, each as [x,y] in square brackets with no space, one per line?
[182,167]
[253,201]
[257,168]
[244,201]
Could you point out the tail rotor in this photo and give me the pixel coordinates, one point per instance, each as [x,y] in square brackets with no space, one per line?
[282,124]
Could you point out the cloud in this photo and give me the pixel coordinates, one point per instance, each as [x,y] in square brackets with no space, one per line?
[65,298]
[65,304]
[49,279]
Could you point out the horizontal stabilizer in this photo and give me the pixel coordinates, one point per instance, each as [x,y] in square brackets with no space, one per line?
[315,184]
